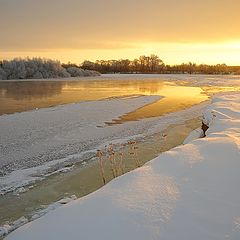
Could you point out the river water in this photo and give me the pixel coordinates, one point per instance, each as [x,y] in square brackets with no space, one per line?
[28,95]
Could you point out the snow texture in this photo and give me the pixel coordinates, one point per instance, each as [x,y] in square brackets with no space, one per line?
[37,143]
[9,227]
[189,192]
[44,138]
[6,229]
[195,134]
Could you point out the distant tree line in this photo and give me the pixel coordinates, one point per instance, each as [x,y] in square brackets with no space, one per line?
[46,68]
[153,64]
[37,68]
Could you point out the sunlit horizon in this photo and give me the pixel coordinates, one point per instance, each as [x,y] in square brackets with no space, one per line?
[76,30]
[171,53]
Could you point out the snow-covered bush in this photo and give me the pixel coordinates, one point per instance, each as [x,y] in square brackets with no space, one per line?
[39,68]
[91,73]
[14,69]
[32,68]
[79,72]
[75,71]
[3,75]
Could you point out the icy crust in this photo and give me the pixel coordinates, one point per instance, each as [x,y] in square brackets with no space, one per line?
[9,227]
[189,192]
[36,144]
[195,134]
[190,79]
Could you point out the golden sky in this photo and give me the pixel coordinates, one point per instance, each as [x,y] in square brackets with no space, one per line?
[205,31]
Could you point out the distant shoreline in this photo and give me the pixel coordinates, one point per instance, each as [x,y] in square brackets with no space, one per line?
[109,74]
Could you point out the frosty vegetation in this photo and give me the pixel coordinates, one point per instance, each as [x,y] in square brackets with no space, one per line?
[37,68]
[153,64]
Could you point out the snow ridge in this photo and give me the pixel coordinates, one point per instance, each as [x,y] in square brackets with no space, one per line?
[189,192]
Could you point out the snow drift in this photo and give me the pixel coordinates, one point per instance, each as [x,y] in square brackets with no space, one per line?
[189,192]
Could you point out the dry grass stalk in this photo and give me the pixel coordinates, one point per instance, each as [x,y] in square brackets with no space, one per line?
[135,148]
[121,164]
[111,158]
[100,160]
[164,135]
[133,151]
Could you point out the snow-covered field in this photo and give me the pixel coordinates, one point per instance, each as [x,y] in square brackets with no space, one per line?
[189,192]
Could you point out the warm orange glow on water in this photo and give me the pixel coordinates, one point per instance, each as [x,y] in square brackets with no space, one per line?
[22,96]
[217,89]
[175,98]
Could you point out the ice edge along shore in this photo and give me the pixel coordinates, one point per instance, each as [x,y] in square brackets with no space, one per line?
[68,134]
[39,142]
[189,192]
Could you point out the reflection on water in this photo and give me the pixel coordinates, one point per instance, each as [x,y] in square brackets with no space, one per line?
[175,98]
[27,91]
[216,89]
[23,96]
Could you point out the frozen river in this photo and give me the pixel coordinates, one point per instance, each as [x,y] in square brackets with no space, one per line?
[53,124]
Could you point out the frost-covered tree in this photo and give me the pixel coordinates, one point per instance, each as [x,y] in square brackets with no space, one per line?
[75,71]
[89,73]
[14,69]
[39,68]
[3,75]
[79,72]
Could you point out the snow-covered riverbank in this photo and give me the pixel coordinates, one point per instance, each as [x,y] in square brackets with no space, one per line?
[36,143]
[189,192]
[41,141]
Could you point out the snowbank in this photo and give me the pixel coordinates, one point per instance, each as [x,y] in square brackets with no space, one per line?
[189,192]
